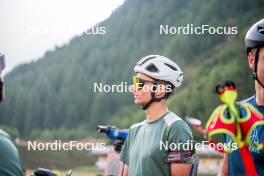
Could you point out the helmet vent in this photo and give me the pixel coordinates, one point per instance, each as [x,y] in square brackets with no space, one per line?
[140,62]
[179,78]
[261,29]
[152,68]
[172,67]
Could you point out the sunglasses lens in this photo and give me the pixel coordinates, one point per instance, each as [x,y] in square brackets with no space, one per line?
[138,82]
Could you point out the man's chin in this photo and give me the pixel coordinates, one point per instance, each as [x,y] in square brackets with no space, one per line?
[139,103]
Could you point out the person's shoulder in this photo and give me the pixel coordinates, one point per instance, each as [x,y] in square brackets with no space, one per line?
[4,134]
[241,104]
[5,139]
[135,128]
[6,143]
[250,100]
[137,125]
[172,119]
[9,153]
[176,124]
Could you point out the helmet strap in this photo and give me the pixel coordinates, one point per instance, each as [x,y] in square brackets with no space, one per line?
[255,75]
[154,99]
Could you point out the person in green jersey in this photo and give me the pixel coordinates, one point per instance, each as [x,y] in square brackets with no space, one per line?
[10,164]
[161,145]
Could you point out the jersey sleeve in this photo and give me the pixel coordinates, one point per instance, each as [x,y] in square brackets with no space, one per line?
[124,155]
[180,141]
[10,161]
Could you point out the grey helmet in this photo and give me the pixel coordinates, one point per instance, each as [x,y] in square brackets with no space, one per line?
[255,40]
[255,36]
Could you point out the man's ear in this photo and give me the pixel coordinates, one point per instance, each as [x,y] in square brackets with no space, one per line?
[251,60]
[161,90]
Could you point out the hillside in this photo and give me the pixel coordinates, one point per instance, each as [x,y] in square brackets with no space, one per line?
[56,91]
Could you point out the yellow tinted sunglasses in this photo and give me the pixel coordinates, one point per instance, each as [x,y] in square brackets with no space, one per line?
[139,82]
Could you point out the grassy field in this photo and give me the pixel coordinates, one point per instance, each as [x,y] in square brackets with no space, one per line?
[61,160]
[80,171]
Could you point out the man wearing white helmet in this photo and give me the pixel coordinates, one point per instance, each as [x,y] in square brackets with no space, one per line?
[155,146]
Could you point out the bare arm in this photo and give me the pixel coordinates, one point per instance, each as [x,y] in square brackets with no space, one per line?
[181,169]
[125,171]
[224,169]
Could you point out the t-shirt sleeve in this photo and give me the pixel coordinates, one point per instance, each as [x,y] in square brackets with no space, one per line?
[124,155]
[180,141]
[10,161]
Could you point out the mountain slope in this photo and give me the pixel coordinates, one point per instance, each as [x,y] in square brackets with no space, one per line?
[57,90]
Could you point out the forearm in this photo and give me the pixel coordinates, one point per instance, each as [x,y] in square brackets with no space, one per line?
[224,168]
[181,169]
[125,170]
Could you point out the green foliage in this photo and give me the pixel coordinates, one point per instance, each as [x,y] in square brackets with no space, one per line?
[13,132]
[56,92]
[62,134]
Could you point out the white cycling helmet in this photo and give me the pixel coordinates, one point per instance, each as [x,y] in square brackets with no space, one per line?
[160,68]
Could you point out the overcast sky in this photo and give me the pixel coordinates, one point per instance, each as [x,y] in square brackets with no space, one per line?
[31,27]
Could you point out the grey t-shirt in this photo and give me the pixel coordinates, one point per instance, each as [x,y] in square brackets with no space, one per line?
[150,148]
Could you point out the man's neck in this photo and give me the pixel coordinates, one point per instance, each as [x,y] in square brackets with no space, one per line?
[259,95]
[156,110]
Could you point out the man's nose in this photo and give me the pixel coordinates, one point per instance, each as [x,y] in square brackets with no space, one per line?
[134,89]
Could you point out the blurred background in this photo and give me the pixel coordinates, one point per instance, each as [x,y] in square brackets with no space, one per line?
[52,66]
